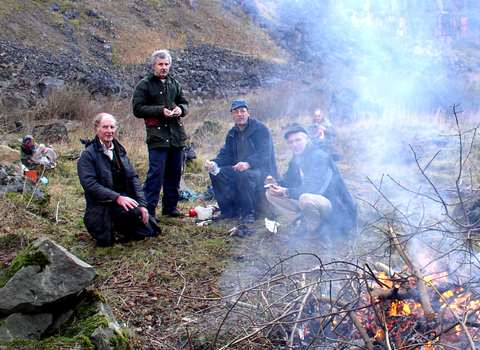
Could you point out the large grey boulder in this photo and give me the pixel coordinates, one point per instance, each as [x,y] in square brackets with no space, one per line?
[43,275]
[50,133]
[19,326]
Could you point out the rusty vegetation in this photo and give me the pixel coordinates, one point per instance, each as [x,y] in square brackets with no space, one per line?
[406,280]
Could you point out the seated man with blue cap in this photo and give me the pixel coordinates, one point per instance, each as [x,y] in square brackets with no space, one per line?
[243,163]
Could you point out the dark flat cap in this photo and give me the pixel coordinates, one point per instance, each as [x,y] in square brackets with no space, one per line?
[295,130]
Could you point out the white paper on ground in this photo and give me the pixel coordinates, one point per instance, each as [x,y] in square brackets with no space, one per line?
[271,225]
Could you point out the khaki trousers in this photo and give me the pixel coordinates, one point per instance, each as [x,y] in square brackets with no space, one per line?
[313,207]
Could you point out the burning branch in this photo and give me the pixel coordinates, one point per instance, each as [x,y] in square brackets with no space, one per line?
[300,311]
[417,273]
[352,316]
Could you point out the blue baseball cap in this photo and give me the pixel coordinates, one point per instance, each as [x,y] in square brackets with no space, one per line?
[238,103]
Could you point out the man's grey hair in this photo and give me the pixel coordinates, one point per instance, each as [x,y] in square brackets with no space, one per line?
[98,118]
[161,54]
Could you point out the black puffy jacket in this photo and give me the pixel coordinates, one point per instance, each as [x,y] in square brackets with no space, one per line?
[95,174]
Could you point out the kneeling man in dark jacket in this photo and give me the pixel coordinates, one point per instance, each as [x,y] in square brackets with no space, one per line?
[114,196]
[312,189]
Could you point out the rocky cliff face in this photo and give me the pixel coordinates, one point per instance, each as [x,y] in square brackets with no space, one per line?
[30,75]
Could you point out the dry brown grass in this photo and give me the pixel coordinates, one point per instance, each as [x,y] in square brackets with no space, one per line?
[70,103]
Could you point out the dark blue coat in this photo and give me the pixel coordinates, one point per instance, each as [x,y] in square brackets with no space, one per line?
[262,153]
[95,174]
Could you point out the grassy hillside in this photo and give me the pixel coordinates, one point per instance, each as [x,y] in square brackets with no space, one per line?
[133,29]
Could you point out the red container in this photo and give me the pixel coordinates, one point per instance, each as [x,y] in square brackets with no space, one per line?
[32,174]
[192,213]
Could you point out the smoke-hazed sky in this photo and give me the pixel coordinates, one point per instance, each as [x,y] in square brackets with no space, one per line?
[419,54]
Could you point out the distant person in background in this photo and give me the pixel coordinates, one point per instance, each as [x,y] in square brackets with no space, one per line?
[246,159]
[312,191]
[114,196]
[321,131]
[159,100]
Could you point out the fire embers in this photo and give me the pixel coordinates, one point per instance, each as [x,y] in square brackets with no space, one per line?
[302,303]
[399,318]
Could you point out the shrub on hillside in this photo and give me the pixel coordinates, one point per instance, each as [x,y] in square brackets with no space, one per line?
[71,103]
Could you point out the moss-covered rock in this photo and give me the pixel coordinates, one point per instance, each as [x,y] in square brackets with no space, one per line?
[44,275]
[30,256]
[94,319]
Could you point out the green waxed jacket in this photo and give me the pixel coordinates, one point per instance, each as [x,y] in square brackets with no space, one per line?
[149,99]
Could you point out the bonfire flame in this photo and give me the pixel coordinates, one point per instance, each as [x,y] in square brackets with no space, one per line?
[403,317]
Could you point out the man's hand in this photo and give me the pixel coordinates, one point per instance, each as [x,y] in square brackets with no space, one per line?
[269,181]
[209,165]
[241,166]
[176,112]
[126,202]
[145,215]
[276,190]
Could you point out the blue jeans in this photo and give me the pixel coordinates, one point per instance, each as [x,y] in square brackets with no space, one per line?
[165,170]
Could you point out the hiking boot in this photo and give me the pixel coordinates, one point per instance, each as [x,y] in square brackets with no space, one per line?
[175,213]
[224,215]
[297,226]
[301,229]
[248,219]
[154,224]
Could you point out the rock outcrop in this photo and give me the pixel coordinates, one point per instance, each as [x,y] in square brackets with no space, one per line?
[205,72]
[46,273]
[45,290]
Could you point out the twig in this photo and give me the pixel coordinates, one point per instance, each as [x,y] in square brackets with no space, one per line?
[353,317]
[184,283]
[300,311]
[56,212]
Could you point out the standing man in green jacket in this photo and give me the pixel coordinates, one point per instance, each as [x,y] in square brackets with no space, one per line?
[159,100]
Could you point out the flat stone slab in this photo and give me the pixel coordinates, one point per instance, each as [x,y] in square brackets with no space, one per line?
[19,326]
[46,274]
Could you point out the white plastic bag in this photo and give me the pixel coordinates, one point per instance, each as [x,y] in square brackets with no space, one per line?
[204,213]
[45,156]
[272,226]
